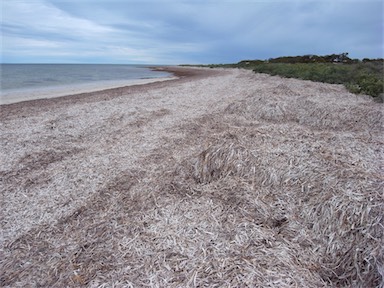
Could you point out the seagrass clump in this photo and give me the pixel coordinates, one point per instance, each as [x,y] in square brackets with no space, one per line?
[316,107]
[314,168]
[222,160]
[347,224]
[260,108]
[332,220]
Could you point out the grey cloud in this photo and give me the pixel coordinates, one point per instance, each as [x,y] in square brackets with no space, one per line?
[193,31]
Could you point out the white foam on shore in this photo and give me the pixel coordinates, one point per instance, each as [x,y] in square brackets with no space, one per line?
[20,95]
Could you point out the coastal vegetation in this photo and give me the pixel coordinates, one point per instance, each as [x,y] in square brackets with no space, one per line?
[358,76]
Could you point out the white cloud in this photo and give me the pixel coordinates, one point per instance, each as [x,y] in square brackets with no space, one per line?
[39,28]
[41,17]
[30,43]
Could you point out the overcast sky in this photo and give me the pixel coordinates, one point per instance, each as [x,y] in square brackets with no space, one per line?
[194,31]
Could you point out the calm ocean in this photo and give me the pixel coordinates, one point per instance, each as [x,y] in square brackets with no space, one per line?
[25,76]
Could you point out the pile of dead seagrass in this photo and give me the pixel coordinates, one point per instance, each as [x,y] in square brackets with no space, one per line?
[282,188]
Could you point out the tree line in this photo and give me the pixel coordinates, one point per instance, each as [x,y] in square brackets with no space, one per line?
[332,58]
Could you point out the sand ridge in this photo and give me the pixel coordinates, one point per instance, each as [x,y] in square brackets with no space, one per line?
[220,178]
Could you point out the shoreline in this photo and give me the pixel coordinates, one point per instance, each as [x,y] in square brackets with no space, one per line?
[102,93]
[30,94]
[14,96]
[158,178]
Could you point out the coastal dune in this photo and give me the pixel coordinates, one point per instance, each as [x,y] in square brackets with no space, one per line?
[219,178]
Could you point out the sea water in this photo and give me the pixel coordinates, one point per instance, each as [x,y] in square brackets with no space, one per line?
[29,78]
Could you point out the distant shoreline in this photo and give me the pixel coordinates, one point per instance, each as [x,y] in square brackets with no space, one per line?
[19,92]
[54,94]
[98,93]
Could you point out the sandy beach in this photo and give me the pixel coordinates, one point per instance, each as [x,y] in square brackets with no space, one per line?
[219,178]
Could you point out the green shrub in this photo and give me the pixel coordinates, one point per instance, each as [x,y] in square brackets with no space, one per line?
[371,85]
[363,78]
[353,88]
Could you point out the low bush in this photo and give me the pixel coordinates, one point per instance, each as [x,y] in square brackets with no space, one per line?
[364,78]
